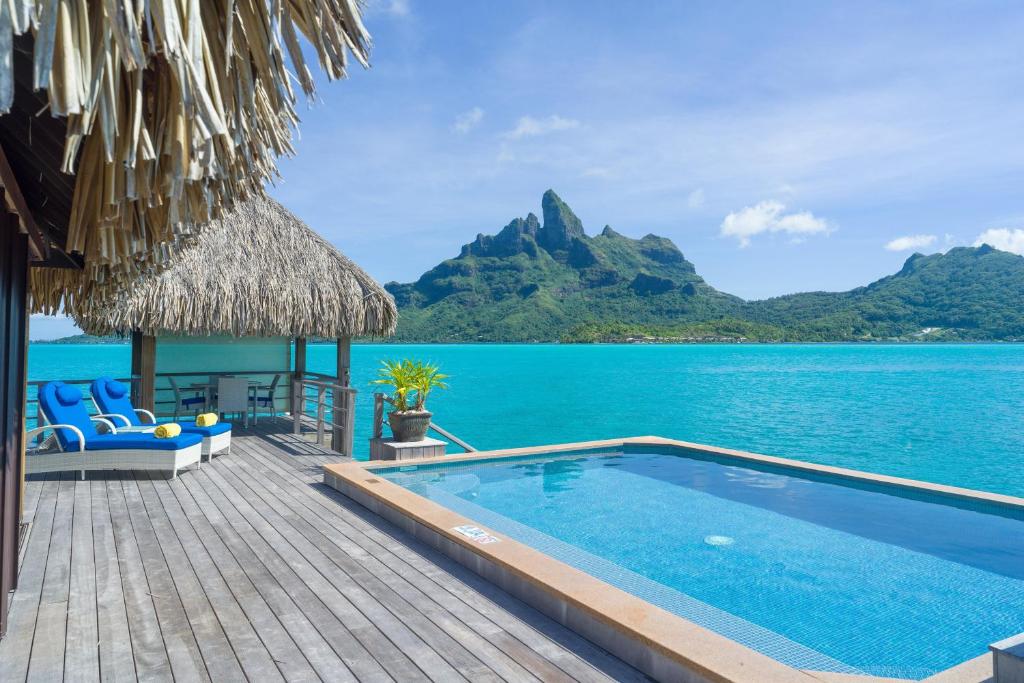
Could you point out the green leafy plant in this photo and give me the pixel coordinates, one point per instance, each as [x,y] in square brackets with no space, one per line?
[412,380]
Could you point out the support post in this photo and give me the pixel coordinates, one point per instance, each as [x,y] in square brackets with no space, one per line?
[298,395]
[298,372]
[345,361]
[144,366]
[321,395]
[136,390]
[341,415]
[14,264]
[378,415]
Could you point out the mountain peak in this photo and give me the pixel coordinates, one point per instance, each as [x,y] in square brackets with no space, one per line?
[561,225]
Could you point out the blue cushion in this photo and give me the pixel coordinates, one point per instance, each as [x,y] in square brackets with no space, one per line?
[213,430]
[58,404]
[103,442]
[112,398]
[115,388]
[68,395]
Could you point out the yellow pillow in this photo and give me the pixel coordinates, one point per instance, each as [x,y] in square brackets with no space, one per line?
[206,419]
[167,431]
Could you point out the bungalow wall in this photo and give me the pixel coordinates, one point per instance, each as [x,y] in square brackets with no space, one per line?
[14,260]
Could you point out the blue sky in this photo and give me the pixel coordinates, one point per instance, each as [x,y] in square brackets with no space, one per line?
[783,146]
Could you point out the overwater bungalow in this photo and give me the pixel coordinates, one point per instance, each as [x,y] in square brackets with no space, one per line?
[234,303]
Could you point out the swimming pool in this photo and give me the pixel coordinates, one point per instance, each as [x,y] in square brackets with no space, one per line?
[817,571]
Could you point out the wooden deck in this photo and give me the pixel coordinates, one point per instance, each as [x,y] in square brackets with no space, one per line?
[251,569]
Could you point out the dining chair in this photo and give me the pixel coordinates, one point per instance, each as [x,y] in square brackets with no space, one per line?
[265,400]
[187,403]
[233,397]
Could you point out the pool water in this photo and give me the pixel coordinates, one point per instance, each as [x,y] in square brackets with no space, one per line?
[817,572]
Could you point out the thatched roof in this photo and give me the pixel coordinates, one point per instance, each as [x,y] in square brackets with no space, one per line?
[167,112]
[260,271]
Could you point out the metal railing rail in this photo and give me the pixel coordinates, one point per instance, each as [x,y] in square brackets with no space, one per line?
[341,407]
[380,399]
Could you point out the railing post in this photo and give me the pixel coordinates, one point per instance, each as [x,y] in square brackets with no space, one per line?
[343,419]
[350,425]
[297,407]
[321,393]
[378,415]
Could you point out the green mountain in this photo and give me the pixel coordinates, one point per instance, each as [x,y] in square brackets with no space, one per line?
[535,282]
[968,293]
[551,281]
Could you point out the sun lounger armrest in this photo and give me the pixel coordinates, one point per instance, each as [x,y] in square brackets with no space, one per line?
[39,430]
[108,416]
[143,411]
[110,425]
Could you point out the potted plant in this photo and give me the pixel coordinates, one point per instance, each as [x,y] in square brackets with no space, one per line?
[413,380]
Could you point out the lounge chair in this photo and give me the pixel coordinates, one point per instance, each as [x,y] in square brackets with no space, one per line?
[83,447]
[111,399]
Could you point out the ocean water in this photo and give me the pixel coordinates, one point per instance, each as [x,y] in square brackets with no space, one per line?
[809,570]
[951,414]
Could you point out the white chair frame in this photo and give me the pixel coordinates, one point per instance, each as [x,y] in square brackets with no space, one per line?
[108,459]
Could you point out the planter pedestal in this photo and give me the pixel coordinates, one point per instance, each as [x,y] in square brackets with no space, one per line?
[389,449]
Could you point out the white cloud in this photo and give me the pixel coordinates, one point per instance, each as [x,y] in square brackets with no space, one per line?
[696,199]
[770,216]
[1003,238]
[911,242]
[528,127]
[398,8]
[468,120]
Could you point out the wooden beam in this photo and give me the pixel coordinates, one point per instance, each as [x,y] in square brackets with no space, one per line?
[14,200]
[345,361]
[300,357]
[343,417]
[14,259]
[146,370]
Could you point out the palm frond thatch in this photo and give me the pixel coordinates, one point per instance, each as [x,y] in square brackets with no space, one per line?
[258,271]
[175,109]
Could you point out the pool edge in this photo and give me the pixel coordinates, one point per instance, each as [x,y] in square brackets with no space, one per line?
[655,641]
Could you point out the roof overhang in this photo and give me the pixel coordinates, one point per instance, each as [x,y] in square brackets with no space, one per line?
[15,202]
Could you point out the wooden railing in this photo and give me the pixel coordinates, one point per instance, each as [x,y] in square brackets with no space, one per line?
[165,401]
[327,397]
[380,399]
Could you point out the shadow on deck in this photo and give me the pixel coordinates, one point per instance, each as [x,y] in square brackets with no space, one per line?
[250,568]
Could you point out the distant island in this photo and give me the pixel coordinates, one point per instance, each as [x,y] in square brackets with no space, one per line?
[84,339]
[549,281]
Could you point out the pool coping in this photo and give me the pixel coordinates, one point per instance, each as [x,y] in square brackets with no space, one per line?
[655,641]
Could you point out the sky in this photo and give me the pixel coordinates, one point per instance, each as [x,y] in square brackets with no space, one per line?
[782,146]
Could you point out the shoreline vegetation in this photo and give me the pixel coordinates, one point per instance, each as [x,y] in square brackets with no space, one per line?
[594,336]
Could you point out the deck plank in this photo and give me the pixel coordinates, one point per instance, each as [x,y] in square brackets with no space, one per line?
[398,619]
[152,659]
[466,596]
[47,661]
[117,662]
[382,583]
[212,639]
[363,647]
[251,569]
[81,657]
[16,646]
[248,649]
[303,611]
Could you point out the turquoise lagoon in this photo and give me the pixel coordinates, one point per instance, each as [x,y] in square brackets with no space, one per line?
[952,414]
